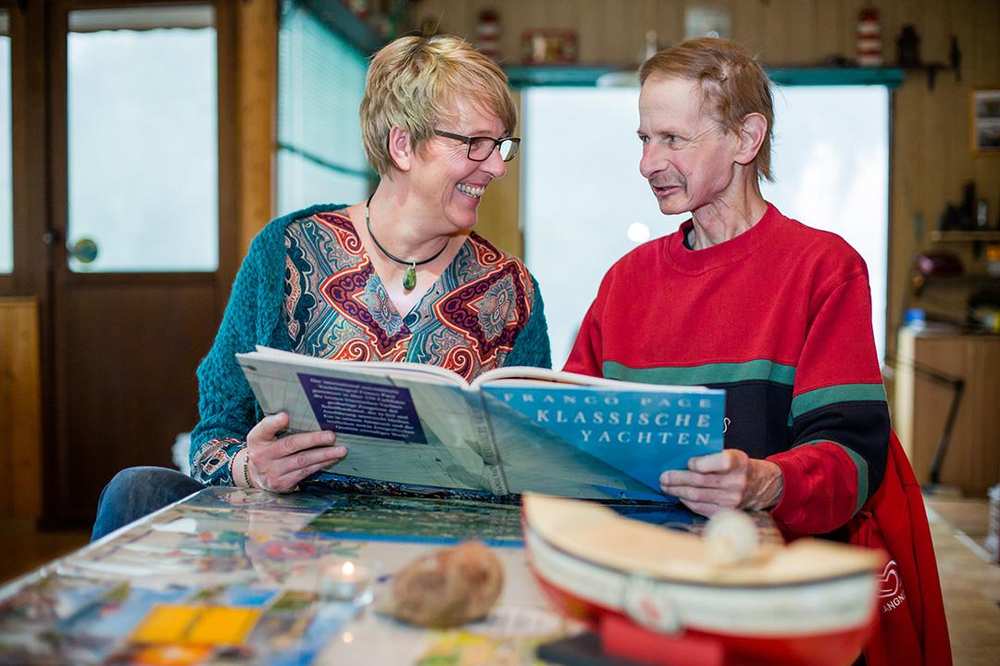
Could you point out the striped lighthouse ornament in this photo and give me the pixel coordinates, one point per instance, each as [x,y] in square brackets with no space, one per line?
[869,38]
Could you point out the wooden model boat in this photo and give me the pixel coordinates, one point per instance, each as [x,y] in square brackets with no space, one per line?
[811,602]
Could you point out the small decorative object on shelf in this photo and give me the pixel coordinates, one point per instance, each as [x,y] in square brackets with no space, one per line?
[547,46]
[359,7]
[982,215]
[869,38]
[993,260]
[955,58]
[488,33]
[706,21]
[649,46]
[908,47]
[986,122]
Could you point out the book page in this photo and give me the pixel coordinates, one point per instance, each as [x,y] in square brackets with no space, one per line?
[428,372]
[403,427]
[600,441]
[529,376]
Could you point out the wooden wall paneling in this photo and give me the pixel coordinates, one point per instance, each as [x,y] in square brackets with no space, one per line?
[963,26]
[449,16]
[670,22]
[591,19]
[20,408]
[500,208]
[982,70]
[828,29]
[257,56]
[983,61]
[787,30]
[631,21]
[748,27]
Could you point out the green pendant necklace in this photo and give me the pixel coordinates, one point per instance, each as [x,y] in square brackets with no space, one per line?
[410,276]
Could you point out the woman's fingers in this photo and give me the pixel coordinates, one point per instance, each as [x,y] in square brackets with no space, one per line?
[292,444]
[324,455]
[267,428]
[292,479]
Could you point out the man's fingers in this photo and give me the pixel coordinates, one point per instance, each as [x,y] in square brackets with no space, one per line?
[715,462]
[677,477]
[704,508]
[707,495]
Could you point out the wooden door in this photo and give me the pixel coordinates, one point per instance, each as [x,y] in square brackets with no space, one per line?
[128,329]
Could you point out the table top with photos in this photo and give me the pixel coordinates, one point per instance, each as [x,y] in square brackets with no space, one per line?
[235,576]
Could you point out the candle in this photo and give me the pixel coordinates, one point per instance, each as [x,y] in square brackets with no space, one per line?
[346,580]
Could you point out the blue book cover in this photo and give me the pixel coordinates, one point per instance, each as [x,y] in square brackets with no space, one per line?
[512,430]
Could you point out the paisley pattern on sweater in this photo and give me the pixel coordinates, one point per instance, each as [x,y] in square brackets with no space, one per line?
[337,307]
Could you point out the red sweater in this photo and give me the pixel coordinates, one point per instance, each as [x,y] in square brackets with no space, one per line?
[780,317]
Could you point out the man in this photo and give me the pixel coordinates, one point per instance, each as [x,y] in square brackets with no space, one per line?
[745,299]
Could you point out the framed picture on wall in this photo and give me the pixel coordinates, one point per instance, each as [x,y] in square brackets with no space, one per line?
[986,121]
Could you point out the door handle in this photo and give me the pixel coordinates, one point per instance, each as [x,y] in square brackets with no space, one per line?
[83,250]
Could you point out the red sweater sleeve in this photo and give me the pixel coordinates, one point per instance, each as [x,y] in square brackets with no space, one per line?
[586,357]
[839,416]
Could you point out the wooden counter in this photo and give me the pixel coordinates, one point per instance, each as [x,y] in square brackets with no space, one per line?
[920,407]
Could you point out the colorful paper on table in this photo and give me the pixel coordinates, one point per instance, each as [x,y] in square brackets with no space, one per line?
[197,625]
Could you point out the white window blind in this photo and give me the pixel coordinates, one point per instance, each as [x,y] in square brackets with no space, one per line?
[321,79]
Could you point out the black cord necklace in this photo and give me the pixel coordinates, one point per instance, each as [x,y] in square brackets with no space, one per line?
[410,276]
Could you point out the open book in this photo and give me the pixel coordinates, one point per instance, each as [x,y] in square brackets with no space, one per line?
[512,430]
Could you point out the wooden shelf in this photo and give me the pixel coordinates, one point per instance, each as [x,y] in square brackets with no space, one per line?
[965,236]
[587,75]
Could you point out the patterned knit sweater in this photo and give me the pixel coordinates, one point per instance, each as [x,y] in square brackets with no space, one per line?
[780,317]
[258,314]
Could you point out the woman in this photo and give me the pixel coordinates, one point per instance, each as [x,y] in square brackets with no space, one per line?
[746,299]
[400,277]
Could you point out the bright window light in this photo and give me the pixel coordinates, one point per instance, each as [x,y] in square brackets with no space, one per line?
[585,203]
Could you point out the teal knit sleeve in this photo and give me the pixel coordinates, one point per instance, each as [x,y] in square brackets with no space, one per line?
[531,347]
[226,404]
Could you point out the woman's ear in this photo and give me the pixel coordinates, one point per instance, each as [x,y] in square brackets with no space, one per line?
[400,148]
[751,136]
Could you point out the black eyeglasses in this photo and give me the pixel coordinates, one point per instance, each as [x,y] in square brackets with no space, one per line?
[481,147]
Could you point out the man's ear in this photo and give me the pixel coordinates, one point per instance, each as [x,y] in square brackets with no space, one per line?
[751,135]
[400,148]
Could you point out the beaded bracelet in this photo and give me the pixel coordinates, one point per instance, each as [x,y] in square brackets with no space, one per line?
[246,468]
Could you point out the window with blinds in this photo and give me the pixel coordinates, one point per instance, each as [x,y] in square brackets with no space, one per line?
[321,78]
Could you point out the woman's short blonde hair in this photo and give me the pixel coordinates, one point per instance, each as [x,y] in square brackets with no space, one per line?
[413,83]
[733,85]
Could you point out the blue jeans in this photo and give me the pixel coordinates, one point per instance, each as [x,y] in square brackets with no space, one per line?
[136,492]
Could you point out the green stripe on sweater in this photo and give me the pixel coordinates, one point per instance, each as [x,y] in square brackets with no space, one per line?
[810,400]
[710,373]
[860,464]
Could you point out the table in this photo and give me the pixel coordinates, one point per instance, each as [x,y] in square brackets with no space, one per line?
[236,576]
